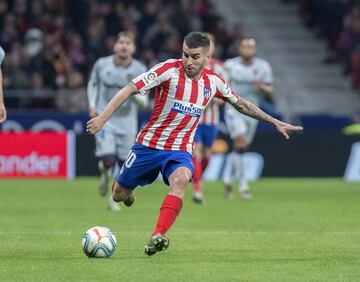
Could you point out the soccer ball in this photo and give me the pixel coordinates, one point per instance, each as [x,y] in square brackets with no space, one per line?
[99,242]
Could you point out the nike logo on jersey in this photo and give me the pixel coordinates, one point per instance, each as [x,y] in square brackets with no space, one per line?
[188,109]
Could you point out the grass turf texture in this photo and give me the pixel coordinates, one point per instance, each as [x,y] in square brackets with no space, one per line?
[294,230]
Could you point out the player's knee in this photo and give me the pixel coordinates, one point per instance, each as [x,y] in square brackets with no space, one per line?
[180,177]
[239,143]
[178,181]
[178,190]
[108,161]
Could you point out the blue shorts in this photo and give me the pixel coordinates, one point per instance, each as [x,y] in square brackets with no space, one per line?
[206,134]
[143,164]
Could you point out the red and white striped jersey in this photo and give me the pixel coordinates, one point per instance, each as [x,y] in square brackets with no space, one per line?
[178,104]
[211,113]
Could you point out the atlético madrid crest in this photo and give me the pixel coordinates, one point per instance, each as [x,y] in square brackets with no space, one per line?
[207,92]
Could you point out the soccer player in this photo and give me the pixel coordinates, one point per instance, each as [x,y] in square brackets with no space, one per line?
[2,104]
[108,76]
[252,78]
[183,88]
[207,131]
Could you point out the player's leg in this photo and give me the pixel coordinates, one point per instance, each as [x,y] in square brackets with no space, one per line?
[211,134]
[177,173]
[123,145]
[202,154]
[197,160]
[105,151]
[237,129]
[121,194]
[106,166]
[241,147]
[228,174]
[140,168]
[206,154]
[196,182]
[169,210]
[114,205]
[173,202]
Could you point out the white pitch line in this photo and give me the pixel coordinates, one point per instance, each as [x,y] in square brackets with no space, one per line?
[188,232]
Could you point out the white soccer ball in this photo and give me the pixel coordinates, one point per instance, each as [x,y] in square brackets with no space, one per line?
[99,242]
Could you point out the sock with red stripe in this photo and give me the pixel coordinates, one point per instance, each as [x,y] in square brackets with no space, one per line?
[197,174]
[169,210]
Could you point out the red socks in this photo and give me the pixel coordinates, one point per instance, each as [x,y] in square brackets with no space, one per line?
[199,168]
[205,163]
[169,210]
[197,174]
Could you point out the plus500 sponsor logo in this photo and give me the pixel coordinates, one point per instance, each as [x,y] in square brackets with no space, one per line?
[187,109]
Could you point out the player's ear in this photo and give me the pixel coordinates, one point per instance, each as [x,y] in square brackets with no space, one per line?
[134,48]
[208,56]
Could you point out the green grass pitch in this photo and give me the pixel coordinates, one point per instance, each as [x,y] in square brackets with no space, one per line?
[293,230]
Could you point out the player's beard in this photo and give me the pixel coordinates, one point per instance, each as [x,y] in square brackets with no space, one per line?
[123,56]
[247,59]
[195,74]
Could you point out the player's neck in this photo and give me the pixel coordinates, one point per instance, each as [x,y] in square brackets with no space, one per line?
[247,61]
[196,76]
[120,62]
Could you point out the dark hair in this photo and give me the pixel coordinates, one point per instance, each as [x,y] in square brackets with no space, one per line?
[241,40]
[127,34]
[196,39]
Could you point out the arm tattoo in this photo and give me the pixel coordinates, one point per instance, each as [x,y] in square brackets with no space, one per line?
[247,108]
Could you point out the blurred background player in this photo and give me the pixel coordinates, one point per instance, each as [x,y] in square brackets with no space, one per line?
[252,78]
[207,130]
[108,76]
[2,104]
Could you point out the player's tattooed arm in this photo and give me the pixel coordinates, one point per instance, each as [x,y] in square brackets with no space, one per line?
[249,109]
[95,124]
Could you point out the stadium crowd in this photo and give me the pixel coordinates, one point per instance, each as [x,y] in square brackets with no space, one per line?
[52,44]
[338,22]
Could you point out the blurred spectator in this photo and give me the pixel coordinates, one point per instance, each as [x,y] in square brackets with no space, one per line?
[72,98]
[52,44]
[338,22]
[33,42]
[43,97]
[15,76]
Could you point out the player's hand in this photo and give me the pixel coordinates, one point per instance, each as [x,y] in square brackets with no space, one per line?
[2,112]
[95,124]
[285,128]
[93,112]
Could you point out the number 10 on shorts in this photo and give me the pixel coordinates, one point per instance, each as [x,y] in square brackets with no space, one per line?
[130,159]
